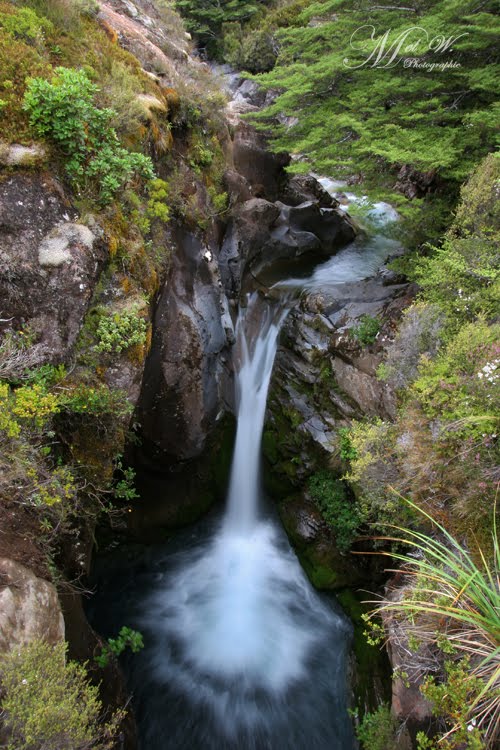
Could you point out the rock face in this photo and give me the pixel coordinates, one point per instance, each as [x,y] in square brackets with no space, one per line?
[264,238]
[29,607]
[181,395]
[15,155]
[323,377]
[43,250]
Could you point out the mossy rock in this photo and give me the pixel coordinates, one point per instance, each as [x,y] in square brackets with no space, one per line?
[371,679]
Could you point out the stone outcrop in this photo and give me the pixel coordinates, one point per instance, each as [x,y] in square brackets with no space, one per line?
[265,239]
[16,155]
[324,377]
[29,607]
[49,263]
[408,704]
[181,397]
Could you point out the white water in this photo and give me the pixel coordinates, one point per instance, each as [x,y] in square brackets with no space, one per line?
[240,636]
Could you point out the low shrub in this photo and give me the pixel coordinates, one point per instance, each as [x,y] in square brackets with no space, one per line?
[120,331]
[341,514]
[366,332]
[49,703]
[63,111]
[377,730]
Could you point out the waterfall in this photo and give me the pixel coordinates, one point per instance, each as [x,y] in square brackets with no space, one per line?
[241,652]
[257,331]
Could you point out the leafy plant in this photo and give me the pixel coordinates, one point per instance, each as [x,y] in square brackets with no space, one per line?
[63,111]
[120,331]
[341,514]
[49,702]
[124,488]
[367,330]
[127,638]
[347,450]
[377,730]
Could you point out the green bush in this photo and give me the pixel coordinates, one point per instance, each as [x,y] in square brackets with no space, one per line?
[341,514]
[377,730]
[63,111]
[367,330]
[120,331]
[26,25]
[49,703]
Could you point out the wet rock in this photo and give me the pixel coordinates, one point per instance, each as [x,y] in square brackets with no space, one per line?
[415,184]
[263,237]
[315,545]
[29,607]
[302,188]
[408,703]
[181,396]
[44,250]
[263,169]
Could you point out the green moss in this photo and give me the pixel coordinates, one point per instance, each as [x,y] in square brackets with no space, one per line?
[372,678]
[321,576]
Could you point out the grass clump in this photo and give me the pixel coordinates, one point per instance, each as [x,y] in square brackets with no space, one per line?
[451,608]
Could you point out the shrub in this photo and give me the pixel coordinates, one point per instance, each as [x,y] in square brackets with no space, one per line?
[63,111]
[330,495]
[367,330]
[419,333]
[377,729]
[49,703]
[25,24]
[120,331]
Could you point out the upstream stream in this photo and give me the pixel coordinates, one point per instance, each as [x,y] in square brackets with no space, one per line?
[240,650]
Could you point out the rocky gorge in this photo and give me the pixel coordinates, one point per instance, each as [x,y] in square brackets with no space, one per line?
[155,400]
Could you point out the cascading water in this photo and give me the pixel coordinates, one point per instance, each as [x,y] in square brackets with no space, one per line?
[241,651]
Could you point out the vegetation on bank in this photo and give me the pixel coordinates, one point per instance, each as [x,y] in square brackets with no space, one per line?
[50,703]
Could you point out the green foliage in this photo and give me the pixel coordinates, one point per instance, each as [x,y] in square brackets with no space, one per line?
[48,702]
[347,450]
[377,730]
[63,111]
[205,18]
[330,495]
[367,330]
[462,276]
[25,24]
[120,331]
[124,488]
[450,700]
[127,638]
[95,401]
[351,117]
[456,597]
